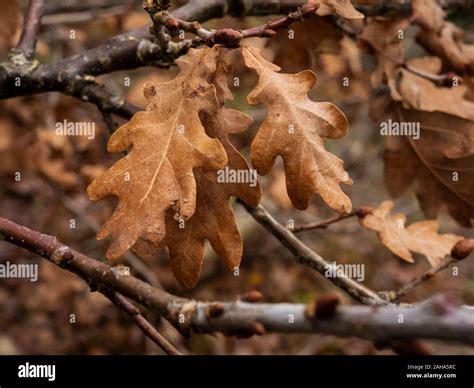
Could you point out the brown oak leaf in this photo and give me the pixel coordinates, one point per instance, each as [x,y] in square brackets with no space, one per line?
[382,37]
[440,164]
[311,38]
[167,142]
[442,38]
[214,219]
[420,237]
[419,93]
[294,128]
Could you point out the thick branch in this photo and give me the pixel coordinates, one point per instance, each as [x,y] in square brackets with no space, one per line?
[437,318]
[433,319]
[122,52]
[31,27]
[92,271]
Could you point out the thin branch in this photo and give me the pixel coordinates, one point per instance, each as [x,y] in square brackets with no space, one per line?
[123,303]
[31,27]
[441,79]
[325,223]
[395,296]
[105,101]
[312,259]
[445,79]
[322,224]
[460,251]
[437,318]
[269,29]
[226,36]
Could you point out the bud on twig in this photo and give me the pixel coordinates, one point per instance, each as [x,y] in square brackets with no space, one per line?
[323,308]
[462,249]
[228,37]
[252,296]
[364,211]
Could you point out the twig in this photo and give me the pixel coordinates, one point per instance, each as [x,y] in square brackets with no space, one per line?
[322,224]
[312,259]
[123,303]
[31,27]
[363,211]
[105,101]
[445,79]
[441,79]
[395,296]
[269,29]
[459,252]
[226,36]
[436,318]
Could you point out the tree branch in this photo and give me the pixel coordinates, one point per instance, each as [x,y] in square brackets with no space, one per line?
[460,251]
[124,304]
[437,318]
[363,211]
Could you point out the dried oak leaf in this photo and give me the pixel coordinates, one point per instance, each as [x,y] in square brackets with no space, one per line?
[442,38]
[214,219]
[420,237]
[311,39]
[428,14]
[382,37]
[342,8]
[440,164]
[419,93]
[168,141]
[293,128]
